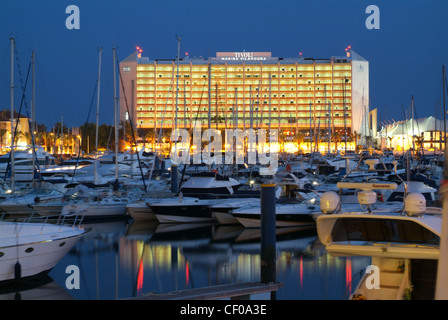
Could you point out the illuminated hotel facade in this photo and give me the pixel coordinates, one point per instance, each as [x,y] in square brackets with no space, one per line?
[247,90]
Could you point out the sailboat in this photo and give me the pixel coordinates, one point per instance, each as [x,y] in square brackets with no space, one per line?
[106,204]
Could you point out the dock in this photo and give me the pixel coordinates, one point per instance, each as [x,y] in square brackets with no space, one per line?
[234,291]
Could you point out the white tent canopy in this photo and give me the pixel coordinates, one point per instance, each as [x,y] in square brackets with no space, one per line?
[412,127]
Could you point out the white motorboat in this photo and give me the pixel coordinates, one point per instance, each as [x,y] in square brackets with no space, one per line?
[103,208]
[104,205]
[221,210]
[54,208]
[68,167]
[28,249]
[140,210]
[23,163]
[209,184]
[182,210]
[399,243]
[21,203]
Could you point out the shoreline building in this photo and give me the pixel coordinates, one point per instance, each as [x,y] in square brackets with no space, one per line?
[301,97]
[425,134]
[23,130]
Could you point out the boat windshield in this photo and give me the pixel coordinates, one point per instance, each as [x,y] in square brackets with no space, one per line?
[383,230]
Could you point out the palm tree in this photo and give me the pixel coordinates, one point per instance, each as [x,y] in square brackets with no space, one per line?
[27,136]
[150,137]
[17,136]
[336,136]
[299,137]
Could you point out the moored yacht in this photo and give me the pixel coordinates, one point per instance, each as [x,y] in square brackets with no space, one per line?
[209,184]
[182,209]
[286,215]
[28,249]
[404,246]
[105,205]
[23,163]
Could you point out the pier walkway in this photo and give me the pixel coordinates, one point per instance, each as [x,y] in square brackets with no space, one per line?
[225,291]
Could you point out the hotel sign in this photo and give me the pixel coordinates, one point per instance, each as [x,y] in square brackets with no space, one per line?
[243,56]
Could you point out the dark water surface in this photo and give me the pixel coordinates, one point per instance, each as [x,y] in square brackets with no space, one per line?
[124,259]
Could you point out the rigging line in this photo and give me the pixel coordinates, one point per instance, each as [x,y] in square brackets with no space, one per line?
[161,127]
[84,130]
[132,127]
[20,108]
[192,129]
[25,101]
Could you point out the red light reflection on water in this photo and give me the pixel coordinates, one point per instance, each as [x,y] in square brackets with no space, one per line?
[187,273]
[140,278]
[348,274]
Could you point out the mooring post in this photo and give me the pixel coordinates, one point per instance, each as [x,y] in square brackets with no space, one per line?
[268,250]
[157,162]
[174,183]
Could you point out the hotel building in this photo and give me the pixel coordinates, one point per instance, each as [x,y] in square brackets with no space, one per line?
[247,90]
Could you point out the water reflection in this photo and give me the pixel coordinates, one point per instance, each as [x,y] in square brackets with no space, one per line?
[122,259]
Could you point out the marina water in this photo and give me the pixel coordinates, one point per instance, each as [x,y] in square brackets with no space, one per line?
[124,259]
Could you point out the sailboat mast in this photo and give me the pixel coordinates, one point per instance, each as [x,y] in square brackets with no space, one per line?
[115,114]
[177,82]
[33,114]
[311,132]
[98,114]
[413,133]
[444,106]
[12,115]
[62,136]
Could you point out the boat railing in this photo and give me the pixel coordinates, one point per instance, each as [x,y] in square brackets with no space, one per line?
[60,220]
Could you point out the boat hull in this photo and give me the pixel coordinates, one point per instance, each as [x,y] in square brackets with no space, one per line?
[182,213]
[162,218]
[183,210]
[93,211]
[224,217]
[140,211]
[45,210]
[287,220]
[37,257]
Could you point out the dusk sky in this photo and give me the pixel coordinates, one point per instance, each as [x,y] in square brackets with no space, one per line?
[406,54]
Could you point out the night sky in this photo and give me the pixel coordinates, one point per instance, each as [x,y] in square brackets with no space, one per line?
[406,54]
